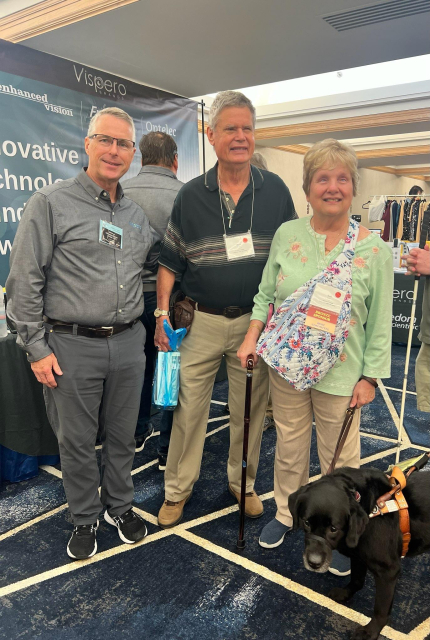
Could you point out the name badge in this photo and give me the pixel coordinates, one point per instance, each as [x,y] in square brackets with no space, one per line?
[324,308]
[110,235]
[239,245]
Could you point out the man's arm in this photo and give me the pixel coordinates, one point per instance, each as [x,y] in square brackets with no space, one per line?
[172,261]
[165,282]
[151,261]
[30,258]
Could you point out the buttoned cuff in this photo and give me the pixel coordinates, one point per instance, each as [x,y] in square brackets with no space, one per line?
[37,350]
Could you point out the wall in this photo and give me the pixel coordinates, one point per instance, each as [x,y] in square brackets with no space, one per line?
[289,166]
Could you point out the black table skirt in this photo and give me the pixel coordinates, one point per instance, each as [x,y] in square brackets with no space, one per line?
[24,426]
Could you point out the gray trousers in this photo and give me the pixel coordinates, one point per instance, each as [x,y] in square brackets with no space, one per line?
[100,387]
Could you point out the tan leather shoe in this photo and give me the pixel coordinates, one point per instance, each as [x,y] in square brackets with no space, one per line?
[253,505]
[171,513]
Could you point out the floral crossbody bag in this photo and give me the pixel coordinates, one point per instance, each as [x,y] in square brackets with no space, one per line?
[305,336]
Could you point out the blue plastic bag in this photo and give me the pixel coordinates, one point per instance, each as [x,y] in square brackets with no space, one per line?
[165,387]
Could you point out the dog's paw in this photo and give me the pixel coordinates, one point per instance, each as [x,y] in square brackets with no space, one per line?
[363,633]
[338,594]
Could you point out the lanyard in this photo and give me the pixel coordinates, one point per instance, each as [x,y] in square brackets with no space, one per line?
[230,213]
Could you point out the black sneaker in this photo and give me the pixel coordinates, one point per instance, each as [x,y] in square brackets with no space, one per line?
[83,543]
[141,440]
[162,461]
[131,527]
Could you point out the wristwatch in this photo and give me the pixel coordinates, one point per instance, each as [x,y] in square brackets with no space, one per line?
[161,312]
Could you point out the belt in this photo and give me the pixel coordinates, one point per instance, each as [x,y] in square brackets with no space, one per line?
[89,332]
[227,312]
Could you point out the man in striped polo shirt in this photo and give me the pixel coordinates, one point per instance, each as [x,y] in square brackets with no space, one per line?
[218,239]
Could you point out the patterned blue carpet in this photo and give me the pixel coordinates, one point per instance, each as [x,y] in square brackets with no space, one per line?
[189,582]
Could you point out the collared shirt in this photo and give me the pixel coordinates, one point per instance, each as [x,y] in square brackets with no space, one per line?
[194,245]
[296,256]
[60,269]
[154,189]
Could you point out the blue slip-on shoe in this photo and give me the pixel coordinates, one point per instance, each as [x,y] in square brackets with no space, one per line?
[273,534]
[340,565]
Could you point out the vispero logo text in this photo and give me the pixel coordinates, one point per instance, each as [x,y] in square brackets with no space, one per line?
[102,86]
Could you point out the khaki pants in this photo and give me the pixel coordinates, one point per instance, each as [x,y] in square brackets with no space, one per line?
[293,411]
[422,378]
[201,353]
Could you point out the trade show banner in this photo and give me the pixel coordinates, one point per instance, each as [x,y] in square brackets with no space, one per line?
[46,104]
[403,296]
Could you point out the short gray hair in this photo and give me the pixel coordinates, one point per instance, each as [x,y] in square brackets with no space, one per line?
[330,151]
[111,111]
[226,99]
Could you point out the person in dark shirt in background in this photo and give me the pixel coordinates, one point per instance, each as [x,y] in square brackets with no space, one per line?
[154,189]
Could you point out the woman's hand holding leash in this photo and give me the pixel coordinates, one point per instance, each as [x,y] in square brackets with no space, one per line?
[364,393]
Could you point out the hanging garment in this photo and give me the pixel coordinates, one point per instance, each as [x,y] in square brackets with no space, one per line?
[414,214]
[399,232]
[407,220]
[395,213]
[390,239]
[386,218]
[420,220]
[377,208]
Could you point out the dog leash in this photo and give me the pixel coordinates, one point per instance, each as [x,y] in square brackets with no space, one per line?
[342,438]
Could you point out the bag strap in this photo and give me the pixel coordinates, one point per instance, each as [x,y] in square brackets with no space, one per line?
[342,438]
[348,250]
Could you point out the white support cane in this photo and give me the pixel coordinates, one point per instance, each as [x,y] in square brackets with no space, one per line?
[423,238]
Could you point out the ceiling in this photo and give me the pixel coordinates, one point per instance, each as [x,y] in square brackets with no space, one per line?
[195,48]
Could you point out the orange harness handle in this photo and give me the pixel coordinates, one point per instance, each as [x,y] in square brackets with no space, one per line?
[394,500]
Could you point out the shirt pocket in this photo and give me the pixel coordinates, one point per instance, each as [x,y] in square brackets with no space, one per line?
[139,247]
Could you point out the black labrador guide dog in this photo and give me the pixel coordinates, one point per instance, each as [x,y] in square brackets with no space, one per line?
[333,513]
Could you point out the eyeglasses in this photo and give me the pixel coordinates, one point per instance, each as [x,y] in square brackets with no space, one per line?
[107,141]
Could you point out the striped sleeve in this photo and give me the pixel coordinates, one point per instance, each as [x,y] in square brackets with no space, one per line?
[172,254]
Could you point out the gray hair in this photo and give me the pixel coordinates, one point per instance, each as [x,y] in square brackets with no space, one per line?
[226,99]
[330,151]
[111,111]
[259,161]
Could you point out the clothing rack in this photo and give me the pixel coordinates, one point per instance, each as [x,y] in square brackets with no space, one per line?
[402,195]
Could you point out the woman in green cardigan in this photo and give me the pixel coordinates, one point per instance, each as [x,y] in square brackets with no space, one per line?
[300,250]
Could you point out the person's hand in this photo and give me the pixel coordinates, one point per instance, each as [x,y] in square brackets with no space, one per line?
[364,392]
[247,348]
[418,261]
[44,370]
[160,339]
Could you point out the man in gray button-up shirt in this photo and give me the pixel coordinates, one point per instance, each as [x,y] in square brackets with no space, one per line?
[74,294]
